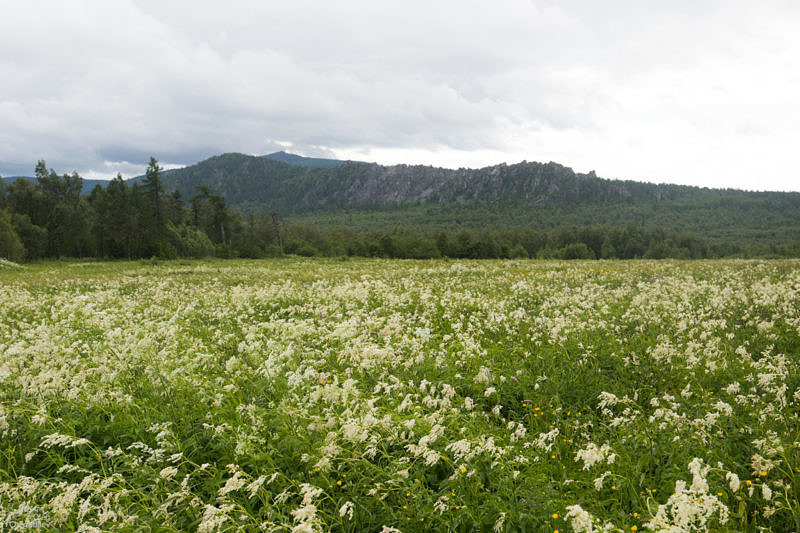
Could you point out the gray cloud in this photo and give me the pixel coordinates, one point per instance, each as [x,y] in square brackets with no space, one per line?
[672,91]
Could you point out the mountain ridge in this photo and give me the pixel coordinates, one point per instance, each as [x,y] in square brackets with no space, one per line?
[365,196]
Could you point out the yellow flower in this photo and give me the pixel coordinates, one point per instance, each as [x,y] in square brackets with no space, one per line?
[555,515]
[634,528]
[339,482]
[463,469]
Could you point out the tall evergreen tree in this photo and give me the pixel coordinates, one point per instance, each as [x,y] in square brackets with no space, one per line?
[175,208]
[210,213]
[153,189]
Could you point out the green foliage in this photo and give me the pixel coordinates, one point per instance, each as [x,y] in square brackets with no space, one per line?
[33,238]
[11,247]
[577,250]
[192,242]
[332,395]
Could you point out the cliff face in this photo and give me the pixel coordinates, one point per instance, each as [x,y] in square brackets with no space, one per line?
[360,183]
[246,180]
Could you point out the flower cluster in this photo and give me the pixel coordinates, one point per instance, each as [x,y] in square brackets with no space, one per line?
[376,395]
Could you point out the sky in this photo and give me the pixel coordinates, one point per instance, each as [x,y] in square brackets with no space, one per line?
[682,91]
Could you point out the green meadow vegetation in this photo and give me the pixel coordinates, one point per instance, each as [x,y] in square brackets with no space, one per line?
[296,394]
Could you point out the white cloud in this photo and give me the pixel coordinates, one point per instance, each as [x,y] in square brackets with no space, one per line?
[690,92]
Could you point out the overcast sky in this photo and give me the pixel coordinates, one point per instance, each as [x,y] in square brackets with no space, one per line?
[679,91]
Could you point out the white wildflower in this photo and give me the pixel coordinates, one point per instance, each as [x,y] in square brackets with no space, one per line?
[483,375]
[689,509]
[580,520]
[254,487]
[607,400]
[168,472]
[733,481]
[441,504]
[591,455]
[598,482]
[213,518]
[546,441]
[233,483]
[347,509]
[498,525]
[65,441]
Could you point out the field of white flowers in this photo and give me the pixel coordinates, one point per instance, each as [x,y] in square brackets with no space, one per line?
[305,395]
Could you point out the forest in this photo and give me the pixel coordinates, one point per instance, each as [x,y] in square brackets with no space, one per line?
[51,218]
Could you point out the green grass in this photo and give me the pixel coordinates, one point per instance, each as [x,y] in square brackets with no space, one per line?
[296,394]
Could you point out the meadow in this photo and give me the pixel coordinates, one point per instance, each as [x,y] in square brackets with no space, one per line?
[379,395]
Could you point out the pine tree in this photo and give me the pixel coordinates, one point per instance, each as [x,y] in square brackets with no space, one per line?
[153,190]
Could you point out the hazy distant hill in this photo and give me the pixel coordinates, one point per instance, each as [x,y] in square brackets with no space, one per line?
[291,159]
[88,185]
[300,161]
[367,196]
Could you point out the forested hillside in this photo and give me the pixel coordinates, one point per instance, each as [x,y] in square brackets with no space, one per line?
[542,196]
[235,205]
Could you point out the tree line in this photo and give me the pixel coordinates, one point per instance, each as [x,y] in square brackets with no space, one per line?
[50,218]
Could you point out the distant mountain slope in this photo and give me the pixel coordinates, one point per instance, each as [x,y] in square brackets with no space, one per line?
[300,161]
[88,185]
[367,196]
